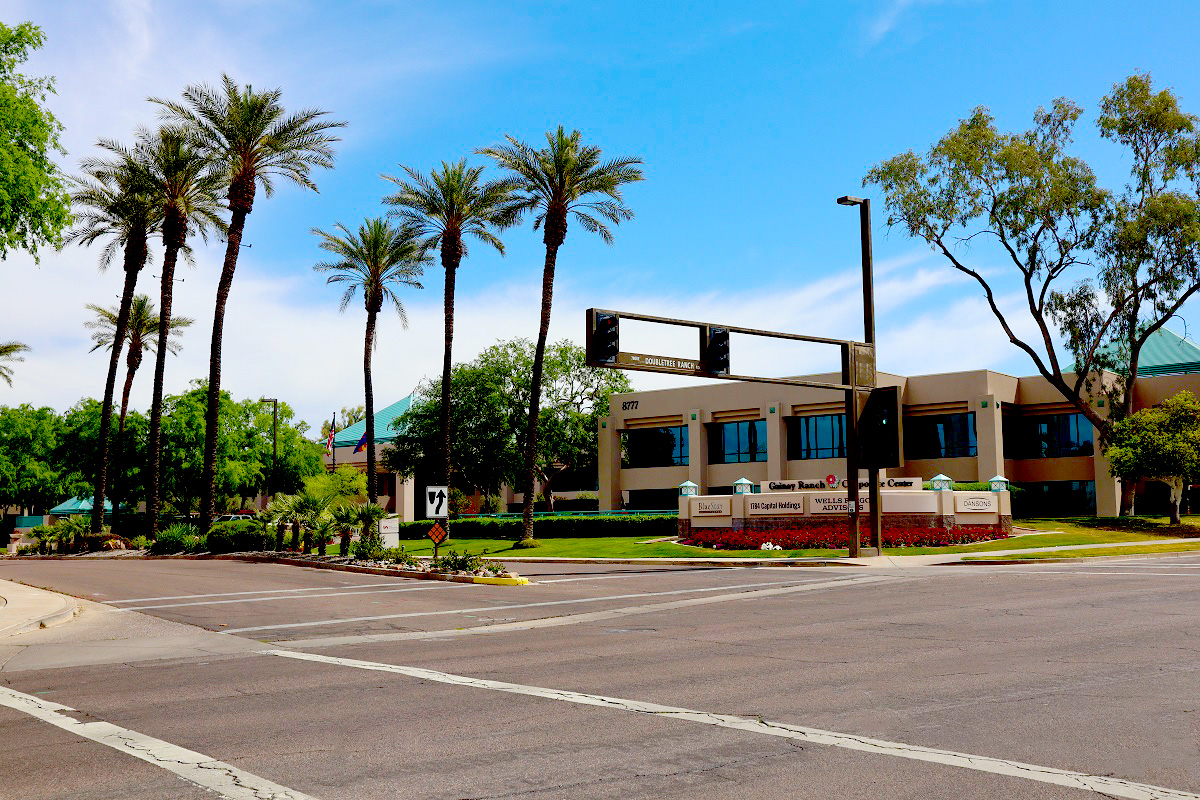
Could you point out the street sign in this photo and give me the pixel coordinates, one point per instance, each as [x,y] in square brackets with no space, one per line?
[437,534]
[436,502]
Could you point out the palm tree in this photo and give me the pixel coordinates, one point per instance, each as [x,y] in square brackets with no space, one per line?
[369,517]
[346,518]
[115,206]
[8,352]
[559,181]
[441,209]
[378,258]
[185,187]
[253,140]
[143,324]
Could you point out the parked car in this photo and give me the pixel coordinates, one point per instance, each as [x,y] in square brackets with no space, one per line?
[232,517]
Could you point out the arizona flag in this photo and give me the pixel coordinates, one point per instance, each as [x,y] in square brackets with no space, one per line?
[362,444]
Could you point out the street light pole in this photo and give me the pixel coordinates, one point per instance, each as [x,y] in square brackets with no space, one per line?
[873,494]
[274,441]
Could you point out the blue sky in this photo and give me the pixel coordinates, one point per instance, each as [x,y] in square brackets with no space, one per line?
[751,117]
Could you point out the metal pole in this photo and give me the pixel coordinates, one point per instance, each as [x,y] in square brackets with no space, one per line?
[852,468]
[274,444]
[868,269]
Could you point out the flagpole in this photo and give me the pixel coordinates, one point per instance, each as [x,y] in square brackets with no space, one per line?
[332,443]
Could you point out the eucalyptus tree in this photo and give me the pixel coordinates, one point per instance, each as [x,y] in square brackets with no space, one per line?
[563,180]
[9,352]
[1025,199]
[442,209]
[142,326]
[252,140]
[113,204]
[185,188]
[379,259]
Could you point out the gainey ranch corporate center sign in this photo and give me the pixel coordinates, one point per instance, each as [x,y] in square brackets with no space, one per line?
[825,483]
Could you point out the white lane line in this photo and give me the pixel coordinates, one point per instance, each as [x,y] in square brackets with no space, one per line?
[1100,784]
[255,591]
[438,585]
[1096,572]
[543,604]
[572,619]
[225,780]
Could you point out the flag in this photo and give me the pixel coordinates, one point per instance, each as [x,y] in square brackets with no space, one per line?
[362,443]
[329,441]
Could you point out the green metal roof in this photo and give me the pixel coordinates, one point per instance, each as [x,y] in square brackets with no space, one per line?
[1164,353]
[80,505]
[348,437]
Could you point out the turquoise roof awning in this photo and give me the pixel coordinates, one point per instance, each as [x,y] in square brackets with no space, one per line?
[78,505]
[1164,353]
[349,437]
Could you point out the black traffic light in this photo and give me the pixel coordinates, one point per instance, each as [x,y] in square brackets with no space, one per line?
[880,429]
[714,350]
[603,334]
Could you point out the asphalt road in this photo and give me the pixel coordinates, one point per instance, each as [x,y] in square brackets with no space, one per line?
[1031,681]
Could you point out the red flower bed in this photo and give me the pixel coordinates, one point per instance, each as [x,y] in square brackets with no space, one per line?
[836,537]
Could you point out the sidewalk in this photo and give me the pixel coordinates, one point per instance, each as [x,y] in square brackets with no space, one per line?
[24,608]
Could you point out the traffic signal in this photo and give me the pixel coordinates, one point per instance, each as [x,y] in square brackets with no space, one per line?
[714,350]
[603,334]
[880,429]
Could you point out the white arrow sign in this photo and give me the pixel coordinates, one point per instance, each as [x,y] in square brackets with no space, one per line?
[437,502]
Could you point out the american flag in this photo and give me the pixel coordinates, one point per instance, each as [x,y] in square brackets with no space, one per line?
[329,441]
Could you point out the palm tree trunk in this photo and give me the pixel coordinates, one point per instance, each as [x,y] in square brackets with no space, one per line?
[133,360]
[535,389]
[372,479]
[451,256]
[160,364]
[135,257]
[208,479]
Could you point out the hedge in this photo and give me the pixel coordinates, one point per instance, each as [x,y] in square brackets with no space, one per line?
[238,536]
[836,537]
[564,527]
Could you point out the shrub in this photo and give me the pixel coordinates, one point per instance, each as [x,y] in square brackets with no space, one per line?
[368,548]
[564,527]
[236,536]
[94,542]
[178,538]
[400,556]
[453,561]
[139,543]
[835,537]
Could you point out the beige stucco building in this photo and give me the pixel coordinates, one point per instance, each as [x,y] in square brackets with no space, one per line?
[967,425]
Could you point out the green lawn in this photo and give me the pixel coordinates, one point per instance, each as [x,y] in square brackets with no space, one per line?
[1182,547]
[1066,531]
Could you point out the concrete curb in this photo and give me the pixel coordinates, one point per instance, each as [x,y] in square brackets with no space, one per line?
[29,609]
[515,580]
[686,562]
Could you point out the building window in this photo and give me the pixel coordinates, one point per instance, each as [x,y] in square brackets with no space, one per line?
[816,437]
[1054,499]
[1047,436]
[737,442]
[940,436]
[654,447]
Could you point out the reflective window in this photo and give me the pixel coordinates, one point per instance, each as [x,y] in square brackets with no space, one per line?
[654,447]
[737,442]
[1047,436]
[816,437]
[940,436]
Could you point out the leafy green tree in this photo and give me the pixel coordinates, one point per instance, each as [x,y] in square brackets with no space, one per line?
[184,187]
[78,453]
[1025,198]
[564,179]
[31,473]
[34,205]
[1159,443]
[139,338]
[349,415]
[345,481]
[253,140]
[8,353]
[113,203]
[442,210]
[379,259]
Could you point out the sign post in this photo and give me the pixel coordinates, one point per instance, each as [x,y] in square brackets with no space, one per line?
[437,507]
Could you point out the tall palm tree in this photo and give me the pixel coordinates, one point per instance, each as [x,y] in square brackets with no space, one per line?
[185,187]
[253,140]
[442,208]
[379,258]
[564,179]
[143,324]
[114,205]
[8,352]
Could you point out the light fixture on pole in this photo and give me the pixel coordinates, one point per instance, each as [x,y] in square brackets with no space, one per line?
[274,442]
